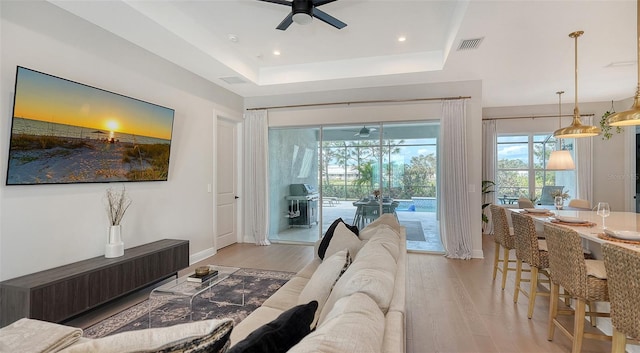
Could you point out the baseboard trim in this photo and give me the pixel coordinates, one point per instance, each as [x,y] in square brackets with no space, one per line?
[477,254]
[248,239]
[201,255]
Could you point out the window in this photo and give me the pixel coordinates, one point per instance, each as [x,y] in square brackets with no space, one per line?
[521,166]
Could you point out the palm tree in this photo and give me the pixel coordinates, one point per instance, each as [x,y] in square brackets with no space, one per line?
[365,175]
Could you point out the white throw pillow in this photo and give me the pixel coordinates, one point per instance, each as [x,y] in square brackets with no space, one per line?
[372,272]
[355,325]
[321,282]
[343,238]
[388,219]
[385,237]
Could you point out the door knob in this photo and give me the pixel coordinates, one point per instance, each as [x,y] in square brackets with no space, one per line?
[236,197]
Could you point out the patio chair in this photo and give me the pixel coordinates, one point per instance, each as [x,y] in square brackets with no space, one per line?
[370,213]
[547,190]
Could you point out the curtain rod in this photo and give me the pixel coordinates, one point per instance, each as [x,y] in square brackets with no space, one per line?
[536,117]
[362,102]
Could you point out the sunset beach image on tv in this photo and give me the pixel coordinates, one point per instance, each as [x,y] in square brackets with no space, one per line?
[67,132]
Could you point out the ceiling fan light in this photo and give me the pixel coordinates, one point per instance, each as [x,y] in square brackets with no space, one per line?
[364,132]
[560,160]
[302,18]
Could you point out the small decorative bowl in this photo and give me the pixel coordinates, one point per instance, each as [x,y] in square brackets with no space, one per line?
[202,270]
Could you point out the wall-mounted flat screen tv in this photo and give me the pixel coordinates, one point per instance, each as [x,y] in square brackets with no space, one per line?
[66,132]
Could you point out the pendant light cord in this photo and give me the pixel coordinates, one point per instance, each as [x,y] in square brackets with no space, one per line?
[575,37]
[559,93]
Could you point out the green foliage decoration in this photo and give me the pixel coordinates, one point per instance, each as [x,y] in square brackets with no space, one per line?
[606,128]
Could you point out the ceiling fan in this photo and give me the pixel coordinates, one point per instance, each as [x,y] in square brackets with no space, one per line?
[365,131]
[302,12]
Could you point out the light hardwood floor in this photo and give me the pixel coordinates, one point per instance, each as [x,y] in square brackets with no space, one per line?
[452,305]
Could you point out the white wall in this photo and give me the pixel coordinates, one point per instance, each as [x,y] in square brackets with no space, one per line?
[43,226]
[358,113]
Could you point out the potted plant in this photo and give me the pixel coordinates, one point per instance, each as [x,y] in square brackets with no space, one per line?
[487,188]
[559,196]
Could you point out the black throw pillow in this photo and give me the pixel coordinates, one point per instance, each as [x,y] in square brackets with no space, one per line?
[280,334]
[354,229]
[324,244]
[326,239]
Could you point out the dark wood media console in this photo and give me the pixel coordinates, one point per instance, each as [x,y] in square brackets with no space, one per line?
[63,292]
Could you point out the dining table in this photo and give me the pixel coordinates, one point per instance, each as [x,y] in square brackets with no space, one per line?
[368,210]
[591,230]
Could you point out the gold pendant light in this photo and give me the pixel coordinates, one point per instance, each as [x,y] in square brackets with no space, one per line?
[576,129]
[560,159]
[631,116]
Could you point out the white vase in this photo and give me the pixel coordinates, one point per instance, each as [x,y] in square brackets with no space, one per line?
[115,246]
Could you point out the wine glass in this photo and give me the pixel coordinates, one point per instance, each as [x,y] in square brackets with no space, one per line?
[603,211]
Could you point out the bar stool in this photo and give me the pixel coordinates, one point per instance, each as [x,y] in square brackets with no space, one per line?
[623,276]
[533,251]
[584,280]
[503,238]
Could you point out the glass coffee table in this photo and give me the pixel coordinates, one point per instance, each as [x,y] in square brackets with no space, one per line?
[173,302]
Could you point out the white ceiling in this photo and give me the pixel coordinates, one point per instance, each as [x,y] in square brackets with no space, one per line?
[525,57]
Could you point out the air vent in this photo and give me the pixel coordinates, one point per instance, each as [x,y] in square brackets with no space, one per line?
[233,80]
[467,44]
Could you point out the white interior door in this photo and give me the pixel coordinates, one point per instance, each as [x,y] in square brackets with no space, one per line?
[226,187]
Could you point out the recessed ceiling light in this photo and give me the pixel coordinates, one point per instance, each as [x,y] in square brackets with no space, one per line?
[402,38]
[276,52]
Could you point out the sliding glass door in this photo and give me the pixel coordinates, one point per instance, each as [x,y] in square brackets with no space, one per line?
[361,172]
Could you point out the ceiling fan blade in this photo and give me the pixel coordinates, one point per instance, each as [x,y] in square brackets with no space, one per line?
[280,2]
[286,22]
[321,2]
[325,17]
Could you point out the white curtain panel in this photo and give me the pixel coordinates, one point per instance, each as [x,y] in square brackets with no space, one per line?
[455,226]
[256,210]
[489,158]
[584,166]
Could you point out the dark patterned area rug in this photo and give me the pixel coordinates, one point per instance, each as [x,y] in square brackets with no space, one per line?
[218,303]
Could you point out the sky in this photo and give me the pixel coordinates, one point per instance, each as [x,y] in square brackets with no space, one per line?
[519,148]
[48,98]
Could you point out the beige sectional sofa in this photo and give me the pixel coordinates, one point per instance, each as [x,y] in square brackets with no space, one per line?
[359,287]
[362,308]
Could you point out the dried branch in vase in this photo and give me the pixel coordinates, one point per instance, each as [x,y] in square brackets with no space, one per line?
[117,204]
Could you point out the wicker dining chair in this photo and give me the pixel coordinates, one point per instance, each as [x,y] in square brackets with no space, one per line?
[524,202]
[623,276]
[584,280]
[532,251]
[580,203]
[504,239]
